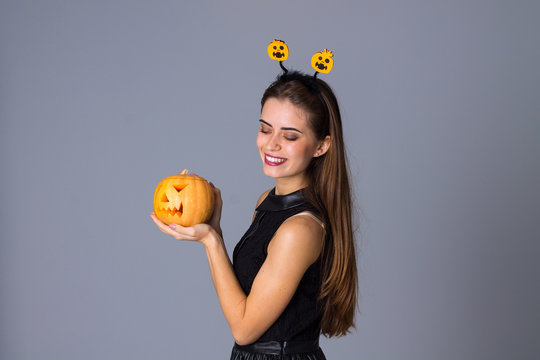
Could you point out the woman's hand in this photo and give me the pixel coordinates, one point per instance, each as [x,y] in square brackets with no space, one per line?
[216,215]
[199,232]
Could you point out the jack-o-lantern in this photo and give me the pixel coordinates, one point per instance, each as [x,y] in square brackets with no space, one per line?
[184,199]
[323,61]
[278,50]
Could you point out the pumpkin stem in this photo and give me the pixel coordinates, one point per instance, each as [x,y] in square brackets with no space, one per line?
[184,172]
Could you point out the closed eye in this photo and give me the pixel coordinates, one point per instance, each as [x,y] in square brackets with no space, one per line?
[263,130]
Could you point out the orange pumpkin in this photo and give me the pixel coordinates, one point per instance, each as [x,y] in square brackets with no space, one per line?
[184,199]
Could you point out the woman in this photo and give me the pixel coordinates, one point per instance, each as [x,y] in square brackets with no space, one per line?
[294,273]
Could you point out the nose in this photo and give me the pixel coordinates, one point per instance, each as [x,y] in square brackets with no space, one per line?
[274,143]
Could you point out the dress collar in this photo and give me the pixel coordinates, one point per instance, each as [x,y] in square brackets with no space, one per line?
[275,202]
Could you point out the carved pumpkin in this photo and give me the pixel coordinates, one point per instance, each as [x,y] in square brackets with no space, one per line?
[184,199]
[278,50]
[323,61]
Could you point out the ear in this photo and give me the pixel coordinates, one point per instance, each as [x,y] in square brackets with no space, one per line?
[323,146]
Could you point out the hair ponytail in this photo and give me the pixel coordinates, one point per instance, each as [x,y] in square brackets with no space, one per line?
[331,192]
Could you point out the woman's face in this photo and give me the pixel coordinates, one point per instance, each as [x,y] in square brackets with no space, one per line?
[286,142]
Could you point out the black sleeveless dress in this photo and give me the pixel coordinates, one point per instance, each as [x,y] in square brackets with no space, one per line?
[295,334]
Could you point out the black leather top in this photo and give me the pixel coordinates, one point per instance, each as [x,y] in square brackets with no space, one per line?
[300,321]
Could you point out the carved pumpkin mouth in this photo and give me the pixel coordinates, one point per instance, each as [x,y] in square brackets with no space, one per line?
[174,211]
[170,202]
[321,66]
[278,54]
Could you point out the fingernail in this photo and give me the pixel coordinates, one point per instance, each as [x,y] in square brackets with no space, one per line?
[172,226]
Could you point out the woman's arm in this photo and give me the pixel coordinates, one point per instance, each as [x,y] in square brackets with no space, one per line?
[294,247]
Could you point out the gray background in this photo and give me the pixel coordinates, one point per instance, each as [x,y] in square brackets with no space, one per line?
[102,99]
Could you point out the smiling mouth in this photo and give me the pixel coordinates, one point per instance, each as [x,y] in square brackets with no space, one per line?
[273,161]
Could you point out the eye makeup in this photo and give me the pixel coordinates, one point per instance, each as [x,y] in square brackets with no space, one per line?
[283,128]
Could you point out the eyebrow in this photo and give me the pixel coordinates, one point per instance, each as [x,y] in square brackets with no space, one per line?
[283,128]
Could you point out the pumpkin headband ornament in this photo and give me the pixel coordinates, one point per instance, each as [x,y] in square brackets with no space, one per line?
[321,61]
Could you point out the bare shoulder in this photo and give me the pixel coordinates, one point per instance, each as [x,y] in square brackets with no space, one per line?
[263,196]
[259,201]
[301,235]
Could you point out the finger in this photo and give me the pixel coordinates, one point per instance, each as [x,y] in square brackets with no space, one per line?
[190,232]
[161,225]
[158,222]
[178,235]
[181,233]
[217,193]
[214,187]
[176,231]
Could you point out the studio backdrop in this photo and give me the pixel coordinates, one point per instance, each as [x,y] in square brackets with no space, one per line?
[99,100]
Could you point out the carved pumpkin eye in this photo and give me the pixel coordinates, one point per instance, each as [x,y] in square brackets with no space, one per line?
[183,199]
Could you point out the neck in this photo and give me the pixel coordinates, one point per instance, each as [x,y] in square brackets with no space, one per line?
[287,186]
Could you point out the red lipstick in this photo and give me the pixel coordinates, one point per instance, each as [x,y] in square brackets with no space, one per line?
[273,160]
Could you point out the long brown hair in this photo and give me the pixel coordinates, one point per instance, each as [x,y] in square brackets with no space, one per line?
[330,192]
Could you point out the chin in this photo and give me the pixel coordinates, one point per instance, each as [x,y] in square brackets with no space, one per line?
[271,172]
